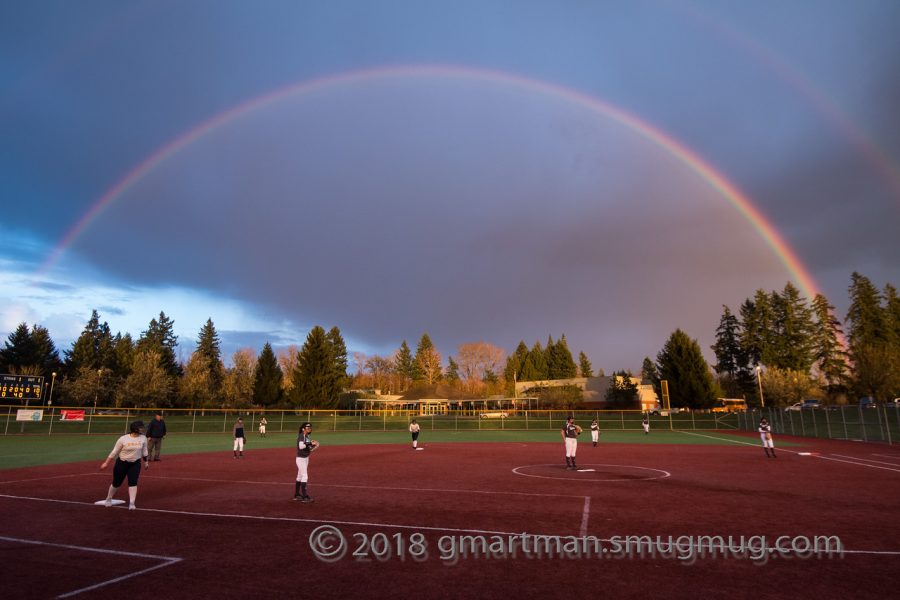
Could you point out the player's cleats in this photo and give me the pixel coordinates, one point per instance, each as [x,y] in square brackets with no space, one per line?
[108,503]
[306,499]
[131,506]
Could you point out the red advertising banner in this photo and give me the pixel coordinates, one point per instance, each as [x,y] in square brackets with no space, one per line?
[71,415]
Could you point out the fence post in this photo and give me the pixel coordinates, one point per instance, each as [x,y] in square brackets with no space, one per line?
[827,424]
[862,423]
[887,425]
[50,430]
[193,420]
[526,419]
[8,415]
[282,421]
[844,421]
[693,423]
[334,414]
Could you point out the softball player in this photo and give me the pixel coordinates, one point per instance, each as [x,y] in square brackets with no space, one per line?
[595,431]
[262,426]
[128,452]
[305,446]
[765,434]
[239,438]
[570,432]
[414,430]
[645,423]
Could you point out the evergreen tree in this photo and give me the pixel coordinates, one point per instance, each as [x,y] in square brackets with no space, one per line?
[791,334]
[539,369]
[892,314]
[403,363]
[584,365]
[315,381]
[209,346]
[451,375]
[529,373]
[45,351]
[515,363]
[649,372]
[828,351]
[267,379]
[622,392]
[148,385]
[195,388]
[866,318]
[756,323]
[560,364]
[681,363]
[124,351]
[338,357]
[733,365]
[427,362]
[160,337]
[875,358]
[85,352]
[20,351]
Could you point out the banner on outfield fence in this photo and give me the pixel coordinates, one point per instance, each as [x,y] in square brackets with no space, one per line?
[71,415]
[29,415]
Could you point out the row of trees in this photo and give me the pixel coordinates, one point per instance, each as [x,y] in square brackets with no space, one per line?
[794,348]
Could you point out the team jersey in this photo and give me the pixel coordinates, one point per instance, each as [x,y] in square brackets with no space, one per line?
[569,430]
[595,427]
[414,427]
[130,448]
[765,428]
[238,430]
[304,445]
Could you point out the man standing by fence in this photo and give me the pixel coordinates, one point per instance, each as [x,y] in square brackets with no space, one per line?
[155,434]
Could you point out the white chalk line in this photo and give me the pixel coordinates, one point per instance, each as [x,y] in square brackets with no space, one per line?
[379,525]
[665,474]
[585,514]
[880,462]
[167,561]
[892,457]
[823,457]
[370,487]
[48,478]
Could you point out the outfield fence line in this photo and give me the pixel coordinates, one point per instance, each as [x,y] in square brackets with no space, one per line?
[105,421]
[876,424]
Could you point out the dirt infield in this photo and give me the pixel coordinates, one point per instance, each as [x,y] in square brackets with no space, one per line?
[208,525]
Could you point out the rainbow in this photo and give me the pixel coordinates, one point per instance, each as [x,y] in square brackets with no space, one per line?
[684,154]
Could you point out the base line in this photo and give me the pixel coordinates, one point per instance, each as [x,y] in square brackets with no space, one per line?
[585,514]
[167,561]
[357,524]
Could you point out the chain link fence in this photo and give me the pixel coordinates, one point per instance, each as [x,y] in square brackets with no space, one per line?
[869,424]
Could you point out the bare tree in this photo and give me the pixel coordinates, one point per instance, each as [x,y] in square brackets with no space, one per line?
[287,360]
[239,379]
[477,362]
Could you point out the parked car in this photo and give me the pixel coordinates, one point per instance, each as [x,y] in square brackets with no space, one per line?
[867,402]
[495,414]
[809,404]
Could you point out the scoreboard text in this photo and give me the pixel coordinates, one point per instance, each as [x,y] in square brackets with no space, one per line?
[21,387]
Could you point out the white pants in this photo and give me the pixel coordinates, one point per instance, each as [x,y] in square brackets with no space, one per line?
[262,429]
[238,444]
[302,466]
[646,427]
[767,443]
[595,435]
[571,447]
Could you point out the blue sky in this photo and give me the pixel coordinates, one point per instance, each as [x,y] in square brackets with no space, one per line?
[461,205]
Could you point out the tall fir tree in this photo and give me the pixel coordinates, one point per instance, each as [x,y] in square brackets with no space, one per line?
[338,357]
[732,362]
[539,369]
[403,363]
[45,351]
[315,381]
[267,383]
[210,346]
[681,363]
[560,364]
[20,351]
[451,374]
[160,337]
[85,351]
[585,368]
[875,358]
[791,331]
[828,351]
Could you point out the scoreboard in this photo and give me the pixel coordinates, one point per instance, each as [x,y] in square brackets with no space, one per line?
[21,387]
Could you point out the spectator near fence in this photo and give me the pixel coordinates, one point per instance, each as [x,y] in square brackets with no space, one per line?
[155,434]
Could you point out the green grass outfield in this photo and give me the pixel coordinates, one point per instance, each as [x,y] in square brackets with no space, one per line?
[34,450]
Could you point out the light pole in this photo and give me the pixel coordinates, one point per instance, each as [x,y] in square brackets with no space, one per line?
[50,397]
[762,401]
[97,391]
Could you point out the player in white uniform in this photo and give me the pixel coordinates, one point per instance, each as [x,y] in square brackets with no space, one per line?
[765,434]
[645,423]
[595,431]
[570,432]
[128,452]
[305,447]
[414,430]
[262,426]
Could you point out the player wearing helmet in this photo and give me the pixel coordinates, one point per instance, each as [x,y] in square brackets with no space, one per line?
[128,452]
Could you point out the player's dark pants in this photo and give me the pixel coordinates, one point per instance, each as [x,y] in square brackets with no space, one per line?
[415,435]
[154,445]
[123,469]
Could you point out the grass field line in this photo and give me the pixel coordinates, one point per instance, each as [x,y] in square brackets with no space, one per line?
[371,487]
[855,461]
[370,524]
[167,561]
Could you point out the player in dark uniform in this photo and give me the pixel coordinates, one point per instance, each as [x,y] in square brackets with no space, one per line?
[305,447]
[239,438]
[570,433]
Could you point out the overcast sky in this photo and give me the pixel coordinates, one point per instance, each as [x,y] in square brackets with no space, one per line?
[477,170]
